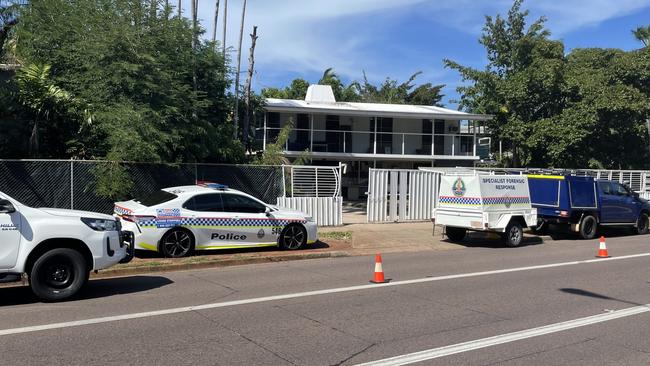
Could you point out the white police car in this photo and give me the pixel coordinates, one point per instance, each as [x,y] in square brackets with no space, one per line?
[178,220]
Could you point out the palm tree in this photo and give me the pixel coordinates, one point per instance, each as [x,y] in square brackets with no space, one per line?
[642,34]
[42,97]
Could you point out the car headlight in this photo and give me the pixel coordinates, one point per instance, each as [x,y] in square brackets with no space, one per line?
[309,219]
[100,224]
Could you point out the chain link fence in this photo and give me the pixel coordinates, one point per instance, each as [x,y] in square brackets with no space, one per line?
[73,184]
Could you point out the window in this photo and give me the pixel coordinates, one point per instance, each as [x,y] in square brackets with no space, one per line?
[239,203]
[620,190]
[156,198]
[205,203]
[606,187]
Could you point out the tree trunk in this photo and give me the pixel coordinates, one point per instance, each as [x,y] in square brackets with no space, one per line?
[225,21]
[247,89]
[33,140]
[241,35]
[214,28]
[195,6]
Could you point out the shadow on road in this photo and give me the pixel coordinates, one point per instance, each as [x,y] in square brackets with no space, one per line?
[563,232]
[317,245]
[485,240]
[94,289]
[580,292]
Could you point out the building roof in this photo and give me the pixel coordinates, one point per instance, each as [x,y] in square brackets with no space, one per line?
[317,101]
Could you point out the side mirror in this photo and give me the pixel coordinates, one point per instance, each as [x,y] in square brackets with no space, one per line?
[267,210]
[6,207]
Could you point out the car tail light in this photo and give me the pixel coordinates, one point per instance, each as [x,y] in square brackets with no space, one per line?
[129,218]
[564,213]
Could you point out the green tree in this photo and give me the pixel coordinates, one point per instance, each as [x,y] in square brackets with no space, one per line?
[134,66]
[521,84]
[642,34]
[47,103]
[393,92]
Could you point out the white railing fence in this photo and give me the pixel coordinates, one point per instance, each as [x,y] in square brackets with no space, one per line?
[314,190]
[401,194]
[326,211]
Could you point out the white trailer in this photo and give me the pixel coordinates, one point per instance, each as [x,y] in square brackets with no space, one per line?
[491,203]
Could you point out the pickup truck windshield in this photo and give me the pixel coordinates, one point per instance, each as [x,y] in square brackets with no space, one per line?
[156,198]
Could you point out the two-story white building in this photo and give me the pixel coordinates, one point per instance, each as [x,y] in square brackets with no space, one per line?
[365,135]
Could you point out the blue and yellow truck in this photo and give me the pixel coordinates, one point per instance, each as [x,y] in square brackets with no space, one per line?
[585,204]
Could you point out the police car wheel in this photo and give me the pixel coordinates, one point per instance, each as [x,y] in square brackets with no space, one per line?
[293,237]
[514,235]
[58,274]
[177,243]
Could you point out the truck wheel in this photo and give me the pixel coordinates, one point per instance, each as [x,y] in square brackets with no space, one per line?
[58,274]
[455,234]
[514,235]
[642,224]
[588,227]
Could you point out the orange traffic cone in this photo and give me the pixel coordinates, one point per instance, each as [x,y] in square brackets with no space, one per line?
[379,271]
[602,249]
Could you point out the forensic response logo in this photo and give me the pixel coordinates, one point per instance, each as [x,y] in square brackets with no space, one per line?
[459,188]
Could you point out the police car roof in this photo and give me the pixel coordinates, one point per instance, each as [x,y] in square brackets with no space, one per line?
[195,189]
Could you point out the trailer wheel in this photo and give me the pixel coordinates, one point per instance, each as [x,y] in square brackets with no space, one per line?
[514,234]
[455,234]
[642,224]
[588,227]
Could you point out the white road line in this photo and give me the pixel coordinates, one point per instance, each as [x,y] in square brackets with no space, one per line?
[506,338]
[108,319]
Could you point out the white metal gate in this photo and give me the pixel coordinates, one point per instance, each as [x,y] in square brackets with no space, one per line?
[401,194]
[316,191]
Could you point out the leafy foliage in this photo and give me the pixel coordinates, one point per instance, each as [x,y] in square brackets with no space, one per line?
[390,91]
[131,65]
[585,109]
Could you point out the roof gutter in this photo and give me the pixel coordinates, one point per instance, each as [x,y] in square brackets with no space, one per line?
[347,112]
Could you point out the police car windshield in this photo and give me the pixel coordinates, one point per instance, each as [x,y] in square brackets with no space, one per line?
[155,198]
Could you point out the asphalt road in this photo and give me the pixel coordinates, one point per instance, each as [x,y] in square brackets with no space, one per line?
[454,304]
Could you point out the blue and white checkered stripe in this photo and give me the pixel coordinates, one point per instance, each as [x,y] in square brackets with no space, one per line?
[121,211]
[506,200]
[449,200]
[224,222]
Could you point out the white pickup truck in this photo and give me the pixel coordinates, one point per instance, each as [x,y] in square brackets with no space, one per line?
[493,203]
[56,249]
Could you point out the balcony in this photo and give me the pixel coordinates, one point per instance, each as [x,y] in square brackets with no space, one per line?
[379,143]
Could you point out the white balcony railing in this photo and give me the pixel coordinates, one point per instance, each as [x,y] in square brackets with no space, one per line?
[361,142]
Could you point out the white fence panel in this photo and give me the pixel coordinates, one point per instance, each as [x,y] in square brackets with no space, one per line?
[401,194]
[326,211]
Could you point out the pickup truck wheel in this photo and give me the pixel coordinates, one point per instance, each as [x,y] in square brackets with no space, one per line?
[455,234]
[588,227]
[58,274]
[514,235]
[642,224]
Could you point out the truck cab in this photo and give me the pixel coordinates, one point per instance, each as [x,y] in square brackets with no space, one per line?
[56,249]
[584,204]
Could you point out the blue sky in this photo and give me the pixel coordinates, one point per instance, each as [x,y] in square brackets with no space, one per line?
[301,38]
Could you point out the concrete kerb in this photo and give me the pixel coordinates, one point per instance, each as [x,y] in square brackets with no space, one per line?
[214,263]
